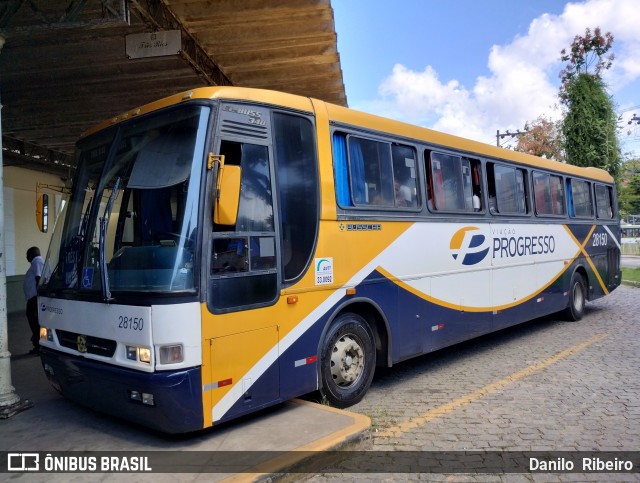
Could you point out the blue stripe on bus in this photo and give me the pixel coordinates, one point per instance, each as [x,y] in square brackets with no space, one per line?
[106,388]
[418,326]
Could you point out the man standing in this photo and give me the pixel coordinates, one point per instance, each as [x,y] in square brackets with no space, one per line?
[30,285]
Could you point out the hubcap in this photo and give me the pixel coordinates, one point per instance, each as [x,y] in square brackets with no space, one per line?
[347,361]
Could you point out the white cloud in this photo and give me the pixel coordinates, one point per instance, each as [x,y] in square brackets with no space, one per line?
[523,81]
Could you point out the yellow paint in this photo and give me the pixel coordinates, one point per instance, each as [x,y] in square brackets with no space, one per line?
[350,250]
[458,237]
[587,257]
[325,111]
[337,439]
[444,409]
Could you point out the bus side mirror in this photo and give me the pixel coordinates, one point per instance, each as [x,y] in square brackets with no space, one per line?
[42,213]
[225,211]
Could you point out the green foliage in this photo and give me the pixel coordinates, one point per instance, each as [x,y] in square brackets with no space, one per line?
[629,196]
[631,274]
[589,126]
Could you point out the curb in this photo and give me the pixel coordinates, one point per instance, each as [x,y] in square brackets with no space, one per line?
[297,460]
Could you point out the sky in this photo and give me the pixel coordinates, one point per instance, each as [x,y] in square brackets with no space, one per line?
[473,67]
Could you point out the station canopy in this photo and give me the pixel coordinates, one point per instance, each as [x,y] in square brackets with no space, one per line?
[69,64]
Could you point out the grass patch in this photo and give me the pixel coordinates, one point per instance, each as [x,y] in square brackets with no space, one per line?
[631,274]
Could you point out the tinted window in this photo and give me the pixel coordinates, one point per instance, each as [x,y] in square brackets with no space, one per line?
[454,183]
[548,194]
[297,175]
[404,176]
[604,203]
[371,173]
[510,195]
[580,193]
[255,211]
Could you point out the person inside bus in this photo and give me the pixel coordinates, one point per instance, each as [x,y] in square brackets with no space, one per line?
[403,194]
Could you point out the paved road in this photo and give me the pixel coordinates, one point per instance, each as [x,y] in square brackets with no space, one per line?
[548,385]
[630,262]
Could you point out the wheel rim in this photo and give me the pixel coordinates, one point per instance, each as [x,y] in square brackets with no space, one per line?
[578,297]
[347,361]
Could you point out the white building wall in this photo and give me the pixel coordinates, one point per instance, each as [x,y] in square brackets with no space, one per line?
[20,228]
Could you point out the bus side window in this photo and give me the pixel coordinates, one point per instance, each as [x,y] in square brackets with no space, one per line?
[371,172]
[579,198]
[428,178]
[476,166]
[455,182]
[404,176]
[507,191]
[604,202]
[549,194]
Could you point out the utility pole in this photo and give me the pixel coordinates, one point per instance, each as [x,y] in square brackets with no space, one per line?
[635,119]
[10,402]
[508,134]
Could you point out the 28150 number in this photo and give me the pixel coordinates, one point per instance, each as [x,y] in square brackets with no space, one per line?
[130,323]
[599,239]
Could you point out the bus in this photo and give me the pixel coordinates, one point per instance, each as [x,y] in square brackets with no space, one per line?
[226,249]
[630,233]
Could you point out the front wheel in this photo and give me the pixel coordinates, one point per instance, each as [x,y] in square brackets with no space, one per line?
[577,297]
[348,360]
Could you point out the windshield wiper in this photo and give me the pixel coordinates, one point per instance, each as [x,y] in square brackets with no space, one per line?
[104,223]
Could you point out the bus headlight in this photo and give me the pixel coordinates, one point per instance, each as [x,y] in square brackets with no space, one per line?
[46,334]
[142,354]
[171,354]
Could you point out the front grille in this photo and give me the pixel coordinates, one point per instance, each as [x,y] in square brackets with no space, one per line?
[94,345]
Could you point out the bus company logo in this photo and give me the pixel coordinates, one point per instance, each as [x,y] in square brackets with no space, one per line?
[49,308]
[469,245]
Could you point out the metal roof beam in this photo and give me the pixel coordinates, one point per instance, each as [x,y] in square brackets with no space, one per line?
[8,10]
[161,17]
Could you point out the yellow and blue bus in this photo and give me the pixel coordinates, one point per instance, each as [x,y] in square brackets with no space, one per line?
[226,249]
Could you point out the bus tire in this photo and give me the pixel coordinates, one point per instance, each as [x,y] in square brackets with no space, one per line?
[577,297]
[348,361]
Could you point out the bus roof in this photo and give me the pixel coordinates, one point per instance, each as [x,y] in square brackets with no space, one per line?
[359,119]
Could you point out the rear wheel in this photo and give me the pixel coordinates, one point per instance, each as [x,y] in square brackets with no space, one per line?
[348,360]
[577,297]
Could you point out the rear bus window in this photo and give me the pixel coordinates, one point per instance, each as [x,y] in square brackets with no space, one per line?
[604,202]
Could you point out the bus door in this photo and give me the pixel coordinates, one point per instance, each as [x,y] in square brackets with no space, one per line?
[243,283]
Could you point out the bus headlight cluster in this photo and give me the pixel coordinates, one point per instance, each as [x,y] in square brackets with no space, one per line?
[171,354]
[46,334]
[142,354]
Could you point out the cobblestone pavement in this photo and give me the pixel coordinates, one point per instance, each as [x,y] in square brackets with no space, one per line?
[547,385]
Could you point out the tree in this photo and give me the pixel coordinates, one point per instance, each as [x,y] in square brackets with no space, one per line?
[629,192]
[589,124]
[541,138]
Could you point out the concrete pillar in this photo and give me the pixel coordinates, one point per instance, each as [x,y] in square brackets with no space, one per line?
[10,402]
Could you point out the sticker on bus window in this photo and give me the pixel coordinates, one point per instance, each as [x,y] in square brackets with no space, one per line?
[324,271]
[87,277]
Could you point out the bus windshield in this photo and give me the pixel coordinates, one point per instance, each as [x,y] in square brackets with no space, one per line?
[131,221]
